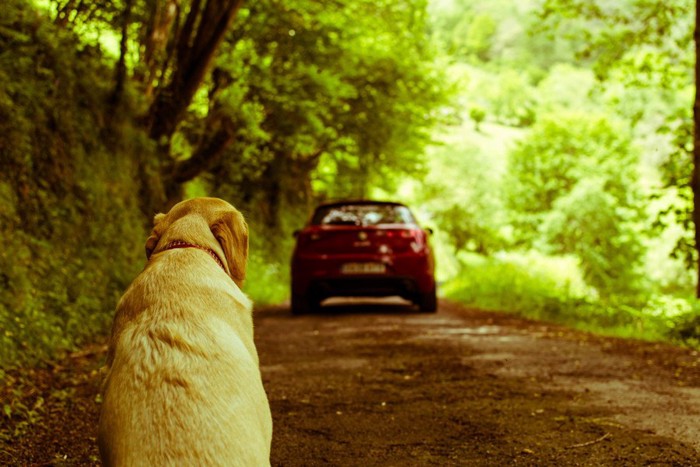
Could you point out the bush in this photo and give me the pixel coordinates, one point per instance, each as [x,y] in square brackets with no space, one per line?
[589,223]
[69,217]
[553,289]
[684,322]
[572,187]
[269,277]
[529,284]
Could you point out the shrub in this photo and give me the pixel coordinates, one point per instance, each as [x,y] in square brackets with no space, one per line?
[530,284]
[552,289]
[69,217]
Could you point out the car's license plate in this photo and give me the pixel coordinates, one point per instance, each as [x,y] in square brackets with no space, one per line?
[363,268]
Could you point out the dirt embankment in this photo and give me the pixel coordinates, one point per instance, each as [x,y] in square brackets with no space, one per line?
[382,384]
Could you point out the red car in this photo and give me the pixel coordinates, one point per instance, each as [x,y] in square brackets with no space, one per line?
[362,248]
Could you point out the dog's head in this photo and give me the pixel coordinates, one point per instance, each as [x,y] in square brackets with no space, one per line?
[209,223]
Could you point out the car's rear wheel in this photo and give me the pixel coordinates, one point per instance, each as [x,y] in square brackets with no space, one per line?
[303,303]
[427,302]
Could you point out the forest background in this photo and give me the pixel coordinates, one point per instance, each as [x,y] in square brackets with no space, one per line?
[548,144]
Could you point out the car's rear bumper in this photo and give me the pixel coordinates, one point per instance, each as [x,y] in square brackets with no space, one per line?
[321,276]
[365,286]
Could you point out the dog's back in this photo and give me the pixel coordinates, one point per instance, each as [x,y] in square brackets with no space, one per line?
[184,385]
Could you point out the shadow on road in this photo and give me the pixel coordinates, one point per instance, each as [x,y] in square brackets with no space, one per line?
[352,306]
[334,307]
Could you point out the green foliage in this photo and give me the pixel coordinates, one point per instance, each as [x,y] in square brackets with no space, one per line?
[653,65]
[478,115]
[530,284]
[676,173]
[685,328]
[269,277]
[321,109]
[472,214]
[553,289]
[510,98]
[592,26]
[473,36]
[589,223]
[567,87]
[576,184]
[572,189]
[353,112]
[18,414]
[67,216]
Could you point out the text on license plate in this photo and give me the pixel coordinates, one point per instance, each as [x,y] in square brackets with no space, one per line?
[363,268]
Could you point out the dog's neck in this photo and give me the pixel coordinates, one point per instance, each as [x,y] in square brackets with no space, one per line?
[180,244]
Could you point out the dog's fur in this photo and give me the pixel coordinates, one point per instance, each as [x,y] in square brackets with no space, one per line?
[183,385]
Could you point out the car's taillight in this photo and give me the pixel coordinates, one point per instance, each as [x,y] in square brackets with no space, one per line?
[413,234]
[407,239]
[306,237]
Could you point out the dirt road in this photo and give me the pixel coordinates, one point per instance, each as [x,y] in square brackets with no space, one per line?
[385,385]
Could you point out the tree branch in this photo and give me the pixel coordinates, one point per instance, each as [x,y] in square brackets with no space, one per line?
[206,156]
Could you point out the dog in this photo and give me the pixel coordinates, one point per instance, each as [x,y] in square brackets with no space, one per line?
[183,384]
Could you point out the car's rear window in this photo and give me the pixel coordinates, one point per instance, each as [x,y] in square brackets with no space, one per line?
[362,214]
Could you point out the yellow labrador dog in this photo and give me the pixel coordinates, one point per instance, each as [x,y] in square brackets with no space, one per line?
[183,385]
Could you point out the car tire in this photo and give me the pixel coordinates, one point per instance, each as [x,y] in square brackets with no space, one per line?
[302,304]
[427,302]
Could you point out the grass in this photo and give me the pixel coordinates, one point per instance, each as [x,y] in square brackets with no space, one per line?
[271,284]
[551,289]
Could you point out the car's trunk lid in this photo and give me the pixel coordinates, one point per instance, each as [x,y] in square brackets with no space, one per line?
[384,239]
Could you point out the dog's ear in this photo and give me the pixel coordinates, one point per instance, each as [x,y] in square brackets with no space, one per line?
[152,241]
[231,231]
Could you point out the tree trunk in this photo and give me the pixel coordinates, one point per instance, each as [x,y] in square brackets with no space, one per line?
[198,41]
[162,18]
[152,192]
[695,182]
[120,72]
[206,156]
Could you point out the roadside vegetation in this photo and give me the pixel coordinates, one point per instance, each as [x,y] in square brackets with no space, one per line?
[112,111]
[561,187]
[553,164]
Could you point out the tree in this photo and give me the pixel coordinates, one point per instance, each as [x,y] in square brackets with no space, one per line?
[571,185]
[473,36]
[462,193]
[289,87]
[695,181]
[338,109]
[175,46]
[195,45]
[588,223]
[665,30]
